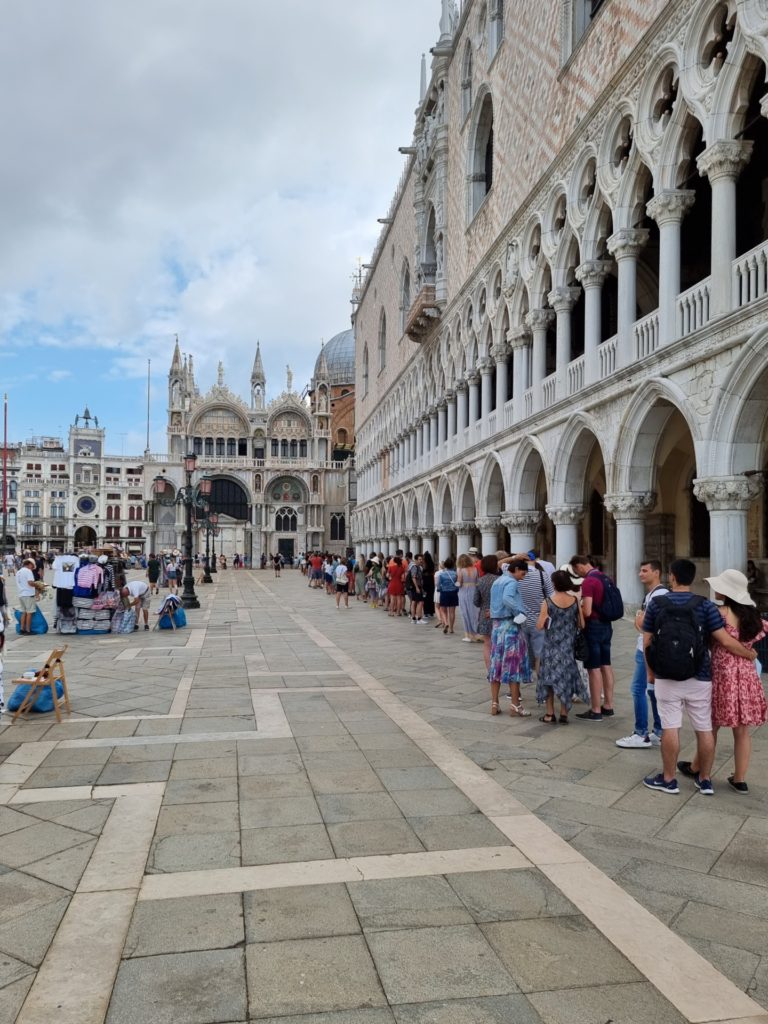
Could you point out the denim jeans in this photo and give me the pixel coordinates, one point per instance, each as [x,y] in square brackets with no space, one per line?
[641,694]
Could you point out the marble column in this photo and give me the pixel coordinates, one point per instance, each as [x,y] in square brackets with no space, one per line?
[415,543]
[501,354]
[433,428]
[462,407]
[625,246]
[562,300]
[424,446]
[485,366]
[444,542]
[566,519]
[403,544]
[473,379]
[489,529]
[668,209]
[463,533]
[592,275]
[539,320]
[442,419]
[629,511]
[519,339]
[728,499]
[722,163]
[522,529]
[450,399]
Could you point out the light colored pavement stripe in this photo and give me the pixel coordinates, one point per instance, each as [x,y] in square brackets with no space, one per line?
[181,697]
[278,672]
[270,717]
[686,979]
[307,689]
[129,654]
[59,793]
[74,983]
[19,765]
[142,741]
[638,935]
[325,872]
[120,854]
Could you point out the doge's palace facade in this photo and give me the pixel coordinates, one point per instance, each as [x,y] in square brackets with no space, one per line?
[561,339]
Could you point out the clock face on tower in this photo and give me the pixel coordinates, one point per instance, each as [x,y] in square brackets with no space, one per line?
[86,505]
[85,450]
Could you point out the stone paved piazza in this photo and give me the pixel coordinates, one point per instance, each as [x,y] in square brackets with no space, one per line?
[288,813]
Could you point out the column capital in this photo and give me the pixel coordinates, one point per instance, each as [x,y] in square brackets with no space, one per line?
[502,352]
[627,242]
[593,273]
[463,527]
[450,395]
[563,299]
[725,158]
[485,366]
[444,531]
[521,521]
[630,505]
[519,336]
[442,404]
[461,387]
[728,493]
[540,319]
[432,412]
[565,515]
[488,523]
[473,379]
[670,205]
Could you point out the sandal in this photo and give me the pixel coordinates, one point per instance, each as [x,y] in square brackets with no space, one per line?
[548,719]
[563,719]
[445,630]
[518,711]
[495,709]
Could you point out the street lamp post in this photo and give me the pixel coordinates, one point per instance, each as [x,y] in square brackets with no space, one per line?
[207,573]
[191,497]
[214,520]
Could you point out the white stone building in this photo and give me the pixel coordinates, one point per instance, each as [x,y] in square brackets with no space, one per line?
[280,482]
[561,339]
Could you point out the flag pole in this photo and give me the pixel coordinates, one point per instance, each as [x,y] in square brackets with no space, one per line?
[149,364]
[5,474]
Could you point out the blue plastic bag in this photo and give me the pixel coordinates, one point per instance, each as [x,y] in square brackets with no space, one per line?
[44,702]
[38,624]
[179,617]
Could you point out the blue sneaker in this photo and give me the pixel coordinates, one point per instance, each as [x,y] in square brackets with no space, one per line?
[704,786]
[659,783]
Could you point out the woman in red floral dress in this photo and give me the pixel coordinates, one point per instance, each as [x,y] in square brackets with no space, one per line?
[738,700]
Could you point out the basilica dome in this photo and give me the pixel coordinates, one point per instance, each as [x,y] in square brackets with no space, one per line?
[339,355]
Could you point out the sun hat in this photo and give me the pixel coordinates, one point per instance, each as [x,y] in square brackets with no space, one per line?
[472,551]
[575,580]
[733,584]
[375,560]
[102,559]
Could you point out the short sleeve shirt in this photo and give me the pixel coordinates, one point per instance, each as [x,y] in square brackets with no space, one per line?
[592,586]
[137,588]
[24,580]
[707,613]
[535,587]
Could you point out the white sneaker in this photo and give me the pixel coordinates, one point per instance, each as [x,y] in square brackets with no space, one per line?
[422,622]
[655,740]
[635,741]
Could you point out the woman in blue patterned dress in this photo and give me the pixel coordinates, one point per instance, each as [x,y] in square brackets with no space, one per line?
[559,675]
[509,651]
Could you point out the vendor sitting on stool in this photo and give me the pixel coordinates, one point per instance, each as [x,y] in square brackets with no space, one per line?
[137,591]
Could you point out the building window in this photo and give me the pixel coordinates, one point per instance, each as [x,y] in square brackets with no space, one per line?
[466,81]
[220,447]
[294,449]
[315,484]
[286,521]
[495,27]
[284,448]
[338,529]
[275,447]
[365,370]
[231,448]
[382,341]
[209,446]
[481,157]
[302,449]
[577,16]
[197,446]
[405,297]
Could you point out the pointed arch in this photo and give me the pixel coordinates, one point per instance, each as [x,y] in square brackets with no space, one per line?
[569,474]
[530,461]
[491,490]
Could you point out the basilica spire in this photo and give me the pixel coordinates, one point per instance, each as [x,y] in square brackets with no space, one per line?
[258,381]
[176,361]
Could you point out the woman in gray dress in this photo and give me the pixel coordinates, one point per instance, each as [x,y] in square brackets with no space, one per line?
[559,675]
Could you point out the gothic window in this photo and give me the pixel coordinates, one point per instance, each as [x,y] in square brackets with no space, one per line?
[405,297]
[197,446]
[382,341]
[13,488]
[139,513]
[315,484]
[341,436]
[294,449]
[220,447]
[302,449]
[284,448]
[286,520]
[109,511]
[209,446]
[275,447]
[12,519]
[231,447]
[466,81]
[495,27]
[365,370]
[229,498]
[481,157]
[338,531]
[131,513]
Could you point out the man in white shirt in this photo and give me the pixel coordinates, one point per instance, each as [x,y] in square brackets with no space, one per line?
[642,691]
[138,593]
[25,585]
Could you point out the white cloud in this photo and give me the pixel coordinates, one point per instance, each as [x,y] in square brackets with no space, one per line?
[57,375]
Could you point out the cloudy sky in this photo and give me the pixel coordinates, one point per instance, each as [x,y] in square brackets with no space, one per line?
[212,168]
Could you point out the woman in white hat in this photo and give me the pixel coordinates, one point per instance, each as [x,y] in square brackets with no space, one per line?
[738,700]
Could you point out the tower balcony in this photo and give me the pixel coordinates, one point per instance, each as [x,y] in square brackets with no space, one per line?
[423,314]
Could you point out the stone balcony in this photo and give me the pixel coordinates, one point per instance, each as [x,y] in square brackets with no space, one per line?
[423,314]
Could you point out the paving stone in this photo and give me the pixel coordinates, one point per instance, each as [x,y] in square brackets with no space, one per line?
[746,860]
[195,852]
[566,951]
[700,824]
[143,752]
[457,832]
[421,964]
[399,758]
[418,803]
[717,892]
[204,768]
[661,904]
[12,970]
[357,807]
[347,761]
[326,744]
[181,819]
[90,818]
[185,924]
[273,811]
[510,1009]
[606,817]
[216,725]
[77,756]
[358,780]
[370,838]
[12,820]
[64,869]
[161,728]
[29,936]
[204,749]
[509,895]
[254,787]
[269,764]
[189,791]
[619,1004]
[325,974]
[299,912]
[407,903]
[282,845]
[12,996]
[655,849]
[71,775]
[405,778]
[103,730]
[38,841]
[116,774]
[157,989]
[735,963]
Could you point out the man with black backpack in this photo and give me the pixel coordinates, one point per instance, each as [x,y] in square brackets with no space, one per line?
[677,631]
[601,604]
